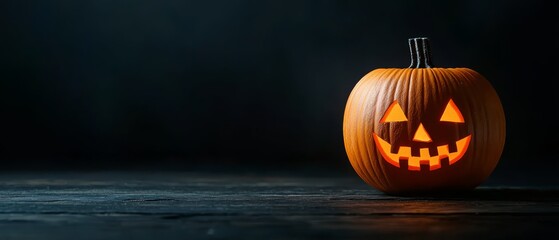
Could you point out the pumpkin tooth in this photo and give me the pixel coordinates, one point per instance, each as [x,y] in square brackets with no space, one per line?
[415,152]
[424,153]
[444,162]
[424,165]
[403,163]
[452,147]
[394,148]
[433,151]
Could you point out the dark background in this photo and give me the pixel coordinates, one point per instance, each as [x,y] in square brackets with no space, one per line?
[136,84]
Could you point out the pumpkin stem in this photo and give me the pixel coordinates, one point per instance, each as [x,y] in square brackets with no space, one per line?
[420,53]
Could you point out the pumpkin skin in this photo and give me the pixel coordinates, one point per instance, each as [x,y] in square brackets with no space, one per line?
[375,146]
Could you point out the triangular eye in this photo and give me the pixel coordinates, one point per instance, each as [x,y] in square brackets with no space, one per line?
[394,113]
[452,113]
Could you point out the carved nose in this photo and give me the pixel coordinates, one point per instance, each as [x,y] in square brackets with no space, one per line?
[421,134]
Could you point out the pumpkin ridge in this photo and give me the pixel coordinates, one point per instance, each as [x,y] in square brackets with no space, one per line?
[457,74]
[365,89]
[377,167]
[396,81]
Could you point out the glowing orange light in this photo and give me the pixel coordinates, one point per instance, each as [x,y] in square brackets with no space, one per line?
[421,134]
[394,113]
[415,162]
[452,113]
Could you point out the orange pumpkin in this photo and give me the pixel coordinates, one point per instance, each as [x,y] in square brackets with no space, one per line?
[423,129]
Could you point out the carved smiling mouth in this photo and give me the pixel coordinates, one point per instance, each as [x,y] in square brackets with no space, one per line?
[424,158]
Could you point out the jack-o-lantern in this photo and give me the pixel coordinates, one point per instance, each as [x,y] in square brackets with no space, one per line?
[423,129]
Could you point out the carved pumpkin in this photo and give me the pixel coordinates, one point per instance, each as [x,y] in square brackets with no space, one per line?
[423,129]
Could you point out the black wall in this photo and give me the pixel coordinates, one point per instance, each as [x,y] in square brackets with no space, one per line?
[137,83]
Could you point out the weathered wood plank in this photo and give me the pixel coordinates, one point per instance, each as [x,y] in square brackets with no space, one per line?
[193,205]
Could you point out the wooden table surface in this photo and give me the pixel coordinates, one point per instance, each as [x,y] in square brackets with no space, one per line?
[190,205]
